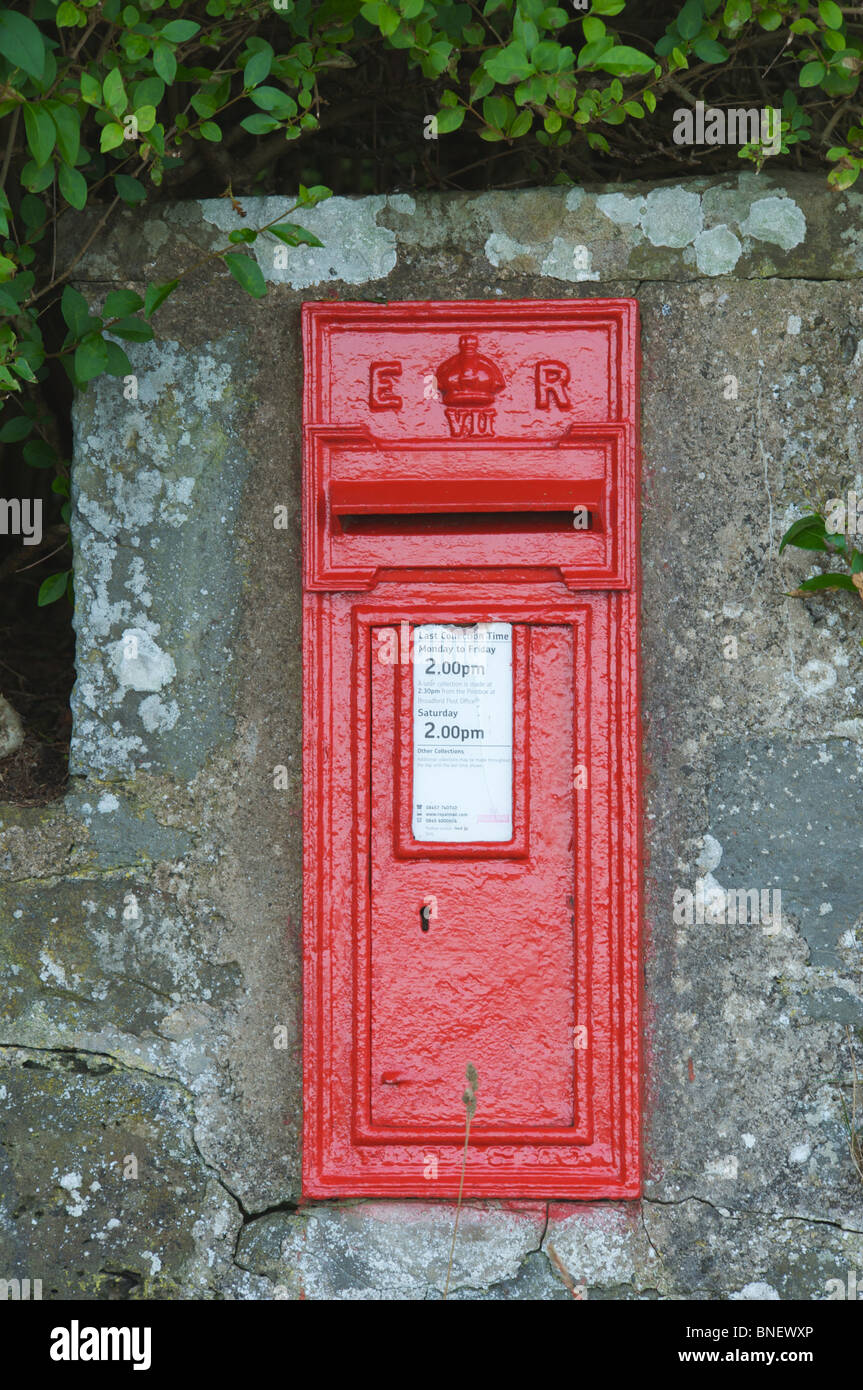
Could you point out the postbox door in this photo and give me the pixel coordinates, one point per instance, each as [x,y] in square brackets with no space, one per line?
[473,959]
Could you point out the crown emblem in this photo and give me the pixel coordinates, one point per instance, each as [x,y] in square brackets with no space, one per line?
[468,379]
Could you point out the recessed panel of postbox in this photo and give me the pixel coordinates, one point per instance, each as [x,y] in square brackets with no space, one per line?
[473,960]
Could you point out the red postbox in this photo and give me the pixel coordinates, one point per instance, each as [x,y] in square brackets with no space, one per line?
[470,750]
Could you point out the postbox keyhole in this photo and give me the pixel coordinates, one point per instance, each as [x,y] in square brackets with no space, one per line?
[425,916]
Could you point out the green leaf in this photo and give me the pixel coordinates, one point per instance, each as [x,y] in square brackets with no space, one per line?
[112,136]
[38,454]
[826,581]
[91,90]
[41,132]
[811,74]
[91,357]
[131,190]
[258,67]
[275,100]
[496,112]
[709,51]
[593,29]
[292,235]
[22,43]
[115,92]
[136,330]
[15,430]
[68,124]
[690,19]
[179,30]
[148,93]
[119,303]
[75,311]
[310,197]
[625,60]
[807,533]
[23,368]
[67,15]
[510,64]
[243,236]
[211,132]
[33,211]
[156,295]
[164,61]
[146,118]
[118,362]
[246,272]
[73,186]
[52,588]
[449,119]
[831,14]
[259,124]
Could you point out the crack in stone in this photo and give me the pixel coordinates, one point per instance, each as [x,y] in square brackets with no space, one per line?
[116,1063]
[728,1213]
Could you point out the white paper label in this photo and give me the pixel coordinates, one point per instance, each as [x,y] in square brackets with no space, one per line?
[462,739]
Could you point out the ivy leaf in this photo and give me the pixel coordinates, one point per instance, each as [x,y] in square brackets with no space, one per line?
[625,60]
[247,273]
[136,330]
[258,67]
[179,30]
[38,454]
[52,588]
[131,190]
[310,197]
[164,61]
[119,303]
[75,311]
[118,362]
[115,92]
[449,119]
[811,74]
[259,124]
[807,533]
[68,124]
[15,430]
[510,64]
[41,132]
[826,581]
[831,14]
[709,51]
[91,90]
[156,295]
[112,136]
[73,186]
[22,43]
[91,357]
[690,19]
[292,235]
[274,100]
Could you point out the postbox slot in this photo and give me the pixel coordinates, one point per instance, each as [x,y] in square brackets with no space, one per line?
[455,523]
[405,506]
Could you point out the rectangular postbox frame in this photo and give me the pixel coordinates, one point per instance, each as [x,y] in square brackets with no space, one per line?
[403,525]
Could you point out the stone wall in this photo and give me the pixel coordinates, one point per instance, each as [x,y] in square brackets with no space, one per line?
[150,922]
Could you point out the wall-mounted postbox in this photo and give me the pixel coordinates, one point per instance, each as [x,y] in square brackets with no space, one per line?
[470,753]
